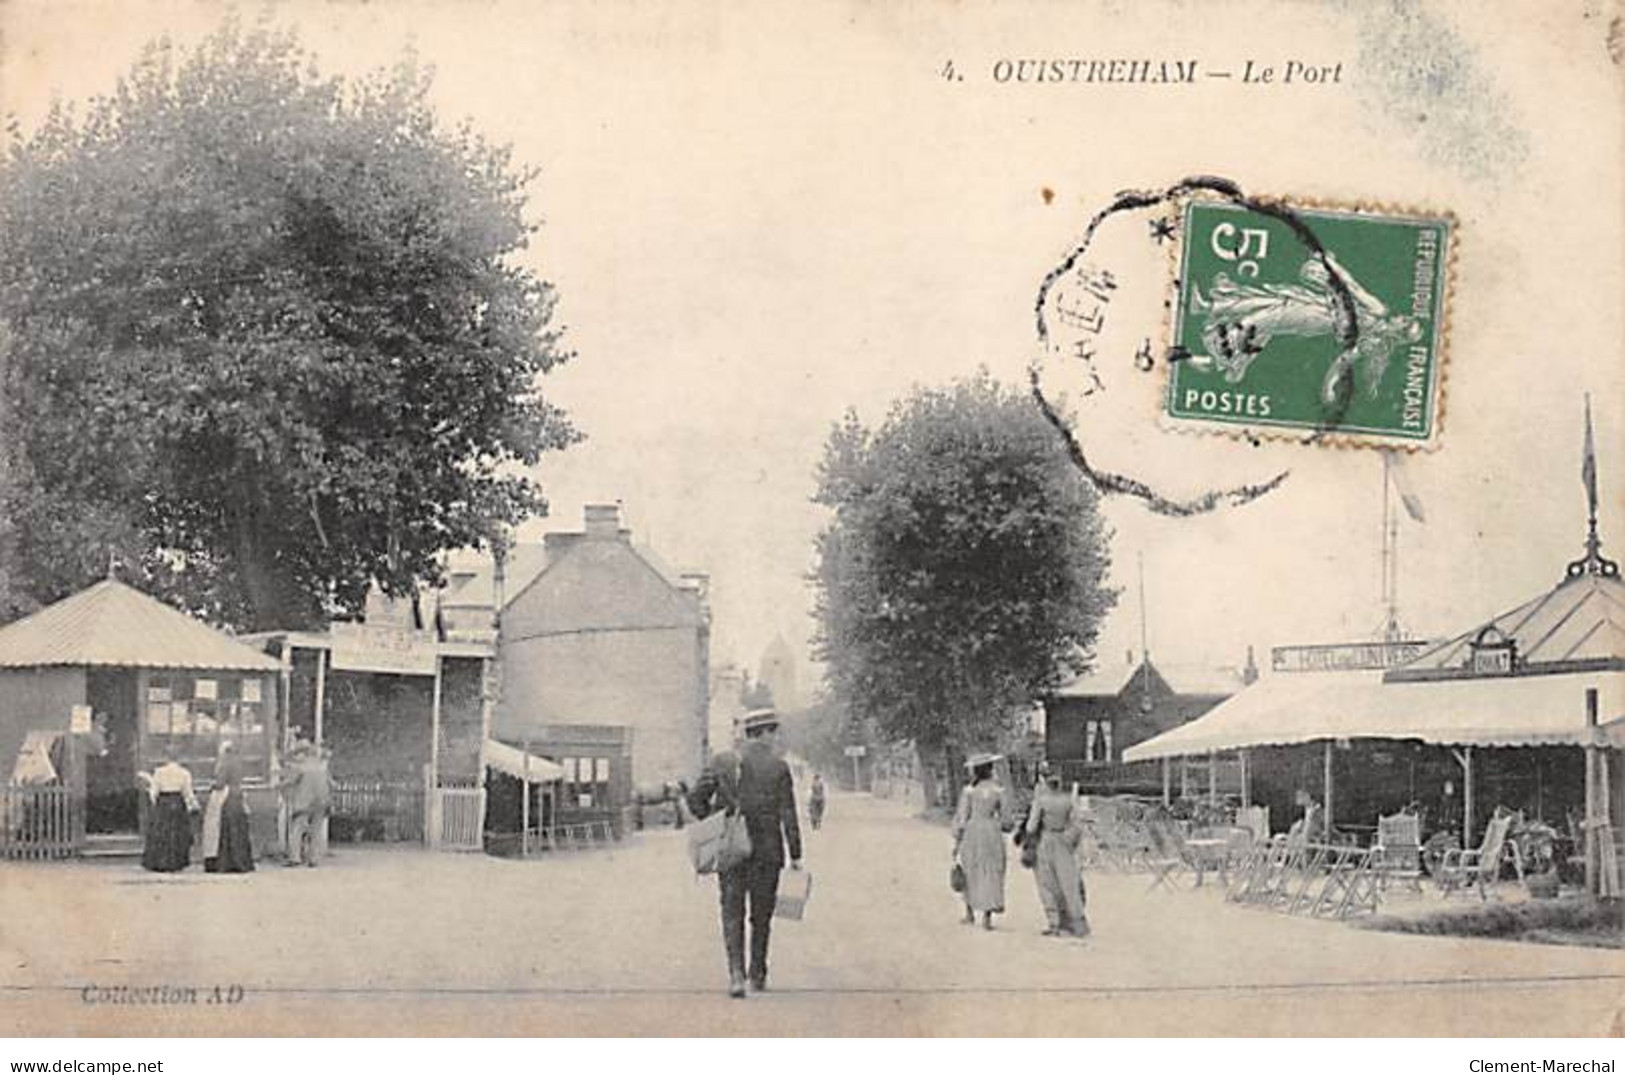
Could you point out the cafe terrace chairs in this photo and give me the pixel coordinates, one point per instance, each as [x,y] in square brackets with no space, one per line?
[1480,868]
[1397,853]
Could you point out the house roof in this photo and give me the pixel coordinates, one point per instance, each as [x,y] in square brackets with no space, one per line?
[471,574]
[1195,680]
[113,624]
[1581,619]
[1099,682]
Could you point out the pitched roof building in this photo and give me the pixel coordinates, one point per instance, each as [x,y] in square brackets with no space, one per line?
[1093,718]
[596,633]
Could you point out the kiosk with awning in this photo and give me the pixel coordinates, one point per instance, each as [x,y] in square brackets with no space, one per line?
[1548,674]
[534,782]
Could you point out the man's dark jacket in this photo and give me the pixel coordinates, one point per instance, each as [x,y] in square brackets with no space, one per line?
[759,784]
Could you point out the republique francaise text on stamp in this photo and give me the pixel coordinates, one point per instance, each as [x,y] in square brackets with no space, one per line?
[1331,321]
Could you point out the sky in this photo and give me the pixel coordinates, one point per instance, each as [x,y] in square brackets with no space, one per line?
[756,222]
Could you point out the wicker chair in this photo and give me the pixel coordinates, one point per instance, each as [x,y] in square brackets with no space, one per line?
[1480,868]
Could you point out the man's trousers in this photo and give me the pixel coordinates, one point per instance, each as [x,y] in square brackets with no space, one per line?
[755,884]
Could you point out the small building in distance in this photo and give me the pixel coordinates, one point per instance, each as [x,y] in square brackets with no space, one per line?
[604,657]
[778,672]
[1089,722]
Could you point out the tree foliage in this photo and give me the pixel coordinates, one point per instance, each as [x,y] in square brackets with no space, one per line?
[265,337]
[961,576]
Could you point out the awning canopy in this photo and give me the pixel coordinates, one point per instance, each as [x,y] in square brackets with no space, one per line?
[1531,710]
[511,760]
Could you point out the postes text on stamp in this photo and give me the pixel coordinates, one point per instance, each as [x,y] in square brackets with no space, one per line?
[1328,321]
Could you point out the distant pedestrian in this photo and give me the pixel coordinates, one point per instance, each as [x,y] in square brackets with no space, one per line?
[679,805]
[815,802]
[979,825]
[1054,822]
[756,782]
[306,790]
[226,847]
[168,846]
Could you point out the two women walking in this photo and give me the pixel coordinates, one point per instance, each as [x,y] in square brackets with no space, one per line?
[1049,836]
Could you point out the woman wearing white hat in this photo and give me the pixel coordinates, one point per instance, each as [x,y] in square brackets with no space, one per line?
[979,841]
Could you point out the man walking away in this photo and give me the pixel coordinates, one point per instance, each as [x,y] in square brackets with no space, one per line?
[756,782]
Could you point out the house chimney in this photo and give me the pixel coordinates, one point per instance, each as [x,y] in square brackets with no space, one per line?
[1249,674]
[698,583]
[602,520]
[1128,658]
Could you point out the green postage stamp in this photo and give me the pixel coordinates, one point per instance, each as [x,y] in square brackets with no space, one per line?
[1327,321]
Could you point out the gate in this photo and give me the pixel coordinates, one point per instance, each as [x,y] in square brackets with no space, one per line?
[42,821]
[458,820]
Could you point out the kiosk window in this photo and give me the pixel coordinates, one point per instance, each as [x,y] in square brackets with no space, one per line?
[193,715]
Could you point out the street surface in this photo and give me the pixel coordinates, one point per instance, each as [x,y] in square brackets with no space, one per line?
[626,942]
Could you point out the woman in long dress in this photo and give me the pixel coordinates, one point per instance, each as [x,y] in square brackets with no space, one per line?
[226,847]
[979,841]
[1054,822]
[168,845]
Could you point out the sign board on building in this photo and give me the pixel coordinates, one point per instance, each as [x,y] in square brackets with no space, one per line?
[1492,653]
[856,752]
[1346,656]
[80,722]
[365,647]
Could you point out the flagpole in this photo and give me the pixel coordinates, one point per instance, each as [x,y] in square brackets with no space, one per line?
[1387,547]
[1593,562]
[1145,645]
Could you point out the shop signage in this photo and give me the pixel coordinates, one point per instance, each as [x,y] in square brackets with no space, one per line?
[1492,653]
[80,720]
[1346,656]
[366,647]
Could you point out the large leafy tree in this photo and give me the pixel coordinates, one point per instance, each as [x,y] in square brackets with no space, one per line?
[961,576]
[265,336]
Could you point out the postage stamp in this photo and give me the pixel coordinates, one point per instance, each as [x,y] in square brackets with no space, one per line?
[1329,321]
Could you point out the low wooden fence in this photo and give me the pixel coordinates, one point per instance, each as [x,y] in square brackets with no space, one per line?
[376,809]
[40,822]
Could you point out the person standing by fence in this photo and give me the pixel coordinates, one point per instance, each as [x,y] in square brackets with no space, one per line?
[306,790]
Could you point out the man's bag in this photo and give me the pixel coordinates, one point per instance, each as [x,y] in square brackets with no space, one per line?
[718,841]
[795,889]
